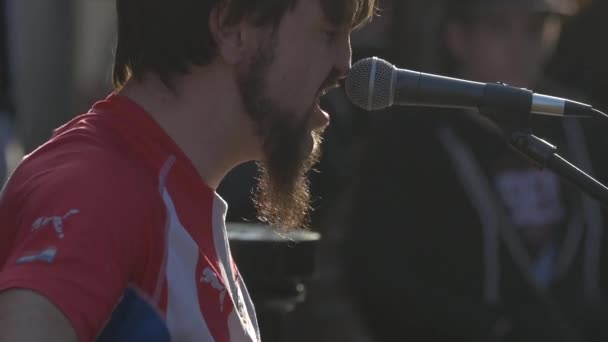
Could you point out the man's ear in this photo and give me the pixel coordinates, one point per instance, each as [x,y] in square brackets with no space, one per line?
[233,41]
[227,37]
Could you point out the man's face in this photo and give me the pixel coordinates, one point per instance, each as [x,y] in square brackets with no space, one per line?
[511,45]
[280,86]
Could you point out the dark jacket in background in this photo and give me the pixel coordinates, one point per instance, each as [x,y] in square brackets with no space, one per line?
[422,263]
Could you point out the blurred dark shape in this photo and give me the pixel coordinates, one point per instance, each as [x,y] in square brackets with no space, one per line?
[581,56]
[236,189]
[276,269]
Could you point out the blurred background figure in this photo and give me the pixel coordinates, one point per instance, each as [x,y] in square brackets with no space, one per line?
[511,41]
[455,237]
[60,56]
[7,109]
[42,66]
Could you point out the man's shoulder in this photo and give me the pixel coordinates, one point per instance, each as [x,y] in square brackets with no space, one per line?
[78,168]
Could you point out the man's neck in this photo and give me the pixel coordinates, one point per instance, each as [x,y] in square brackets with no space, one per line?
[203,116]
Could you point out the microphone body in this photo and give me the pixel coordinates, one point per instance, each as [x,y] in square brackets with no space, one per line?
[375,84]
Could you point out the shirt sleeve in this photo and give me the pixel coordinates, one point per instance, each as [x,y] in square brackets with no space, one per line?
[79,241]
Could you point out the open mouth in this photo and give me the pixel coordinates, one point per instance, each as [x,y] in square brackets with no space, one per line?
[321,118]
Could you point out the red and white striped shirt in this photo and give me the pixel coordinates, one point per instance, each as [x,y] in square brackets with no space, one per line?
[110,221]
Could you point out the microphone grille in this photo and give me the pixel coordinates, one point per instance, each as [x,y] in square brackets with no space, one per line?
[370,84]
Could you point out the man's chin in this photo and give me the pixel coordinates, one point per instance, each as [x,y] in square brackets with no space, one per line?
[319,118]
[309,146]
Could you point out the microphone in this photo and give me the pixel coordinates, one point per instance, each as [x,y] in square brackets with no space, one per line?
[375,84]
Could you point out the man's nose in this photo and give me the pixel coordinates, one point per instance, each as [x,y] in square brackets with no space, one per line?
[344,57]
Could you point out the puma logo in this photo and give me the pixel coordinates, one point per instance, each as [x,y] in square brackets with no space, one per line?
[211,278]
[57,222]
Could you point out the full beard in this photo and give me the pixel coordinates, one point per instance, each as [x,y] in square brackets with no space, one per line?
[282,195]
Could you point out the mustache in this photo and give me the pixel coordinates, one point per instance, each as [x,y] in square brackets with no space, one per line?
[333,80]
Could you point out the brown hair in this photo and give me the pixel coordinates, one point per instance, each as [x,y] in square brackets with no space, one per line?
[166,37]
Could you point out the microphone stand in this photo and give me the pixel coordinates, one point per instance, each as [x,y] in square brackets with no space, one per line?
[511,111]
[544,155]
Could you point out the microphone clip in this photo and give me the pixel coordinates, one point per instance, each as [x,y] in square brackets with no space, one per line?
[509,107]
